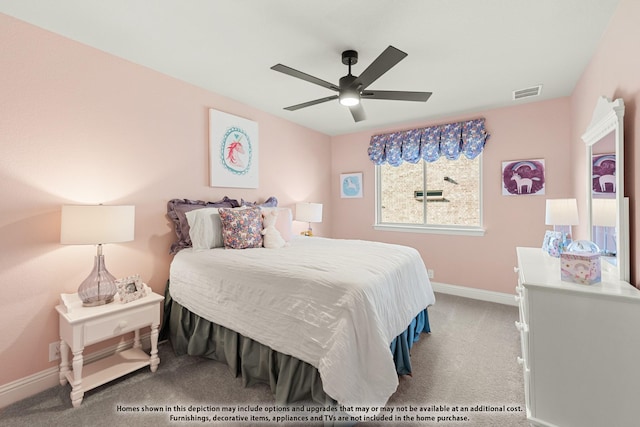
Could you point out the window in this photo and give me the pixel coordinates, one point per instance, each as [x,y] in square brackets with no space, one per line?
[441,197]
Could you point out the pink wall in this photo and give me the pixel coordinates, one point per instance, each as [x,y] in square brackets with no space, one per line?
[529,131]
[614,72]
[81,126]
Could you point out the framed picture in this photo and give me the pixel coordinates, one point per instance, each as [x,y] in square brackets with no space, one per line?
[603,174]
[131,288]
[351,185]
[233,151]
[523,177]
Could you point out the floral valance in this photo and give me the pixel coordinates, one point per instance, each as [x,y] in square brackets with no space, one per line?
[429,143]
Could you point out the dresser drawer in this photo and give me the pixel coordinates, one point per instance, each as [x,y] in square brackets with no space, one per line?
[116,324]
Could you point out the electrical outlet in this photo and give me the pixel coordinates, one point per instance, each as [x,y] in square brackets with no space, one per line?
[54,351]
[430,273]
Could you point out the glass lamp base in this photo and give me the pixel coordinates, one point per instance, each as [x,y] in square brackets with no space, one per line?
[99,287]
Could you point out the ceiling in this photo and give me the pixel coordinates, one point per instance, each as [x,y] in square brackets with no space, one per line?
[471,54]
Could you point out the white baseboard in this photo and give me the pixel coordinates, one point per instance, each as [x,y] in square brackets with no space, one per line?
[473,293]
[40,381]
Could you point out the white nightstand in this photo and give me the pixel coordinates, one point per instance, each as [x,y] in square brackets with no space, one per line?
[82,326]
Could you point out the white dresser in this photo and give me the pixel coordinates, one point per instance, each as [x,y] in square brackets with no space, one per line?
[580,346]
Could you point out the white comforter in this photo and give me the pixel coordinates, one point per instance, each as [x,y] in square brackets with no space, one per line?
[336,304]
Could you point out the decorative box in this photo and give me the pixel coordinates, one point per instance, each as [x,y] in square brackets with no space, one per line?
[580,267]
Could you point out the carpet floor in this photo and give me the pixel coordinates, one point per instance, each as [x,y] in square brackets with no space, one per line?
[464,374]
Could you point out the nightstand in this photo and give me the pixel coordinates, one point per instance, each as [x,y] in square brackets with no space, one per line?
[82,326]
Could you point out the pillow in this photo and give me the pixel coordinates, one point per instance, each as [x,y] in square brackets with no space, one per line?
[205,228]
[271,236]
[271,202]
[241,228]
[284,222]
[176,210]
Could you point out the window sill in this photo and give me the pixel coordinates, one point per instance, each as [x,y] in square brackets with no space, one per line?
[432,229]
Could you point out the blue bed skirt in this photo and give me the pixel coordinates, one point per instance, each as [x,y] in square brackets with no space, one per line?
[290,379]
[401,345]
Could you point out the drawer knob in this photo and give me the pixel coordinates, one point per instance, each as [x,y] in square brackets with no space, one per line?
[122,324]
[516,269]
[520,361]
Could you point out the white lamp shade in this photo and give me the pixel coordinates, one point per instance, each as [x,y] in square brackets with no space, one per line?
[92,225]
[562,212]
[603,212]
[309,212]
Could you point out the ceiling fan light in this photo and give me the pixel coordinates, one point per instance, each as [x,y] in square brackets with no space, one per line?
[349,98]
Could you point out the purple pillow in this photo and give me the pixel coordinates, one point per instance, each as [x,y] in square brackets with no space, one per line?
[271,202]
[176,211]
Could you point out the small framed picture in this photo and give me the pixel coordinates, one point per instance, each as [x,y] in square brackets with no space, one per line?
[351,185]
[131,288]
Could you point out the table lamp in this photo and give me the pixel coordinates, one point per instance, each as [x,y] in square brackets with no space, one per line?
[309,212]
[562,213]
[97,225]
[603,218]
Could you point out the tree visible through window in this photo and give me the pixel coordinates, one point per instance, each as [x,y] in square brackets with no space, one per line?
[441,193]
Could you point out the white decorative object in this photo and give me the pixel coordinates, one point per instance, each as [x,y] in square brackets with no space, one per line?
[351,185]
[271,237]
[84,326]
[580,346]
[131,288]
[233,151]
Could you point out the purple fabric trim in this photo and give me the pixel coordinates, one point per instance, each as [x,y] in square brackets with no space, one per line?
[271,202]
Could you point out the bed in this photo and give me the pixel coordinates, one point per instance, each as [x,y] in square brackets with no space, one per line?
[329,320]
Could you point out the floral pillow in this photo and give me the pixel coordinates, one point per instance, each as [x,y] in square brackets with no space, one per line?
[241,228]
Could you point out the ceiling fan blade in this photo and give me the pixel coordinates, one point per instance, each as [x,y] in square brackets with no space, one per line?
[357,111]
[396,95]
[383,63]
[304,76]
[310,103]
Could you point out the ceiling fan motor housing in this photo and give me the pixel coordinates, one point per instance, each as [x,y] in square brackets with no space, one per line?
[346,81]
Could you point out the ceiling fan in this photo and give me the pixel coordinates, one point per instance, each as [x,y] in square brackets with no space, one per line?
[351,89]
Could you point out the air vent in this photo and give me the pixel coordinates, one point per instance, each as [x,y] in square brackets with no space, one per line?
[527,92]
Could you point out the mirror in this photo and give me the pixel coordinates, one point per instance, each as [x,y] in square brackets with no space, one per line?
[608,209]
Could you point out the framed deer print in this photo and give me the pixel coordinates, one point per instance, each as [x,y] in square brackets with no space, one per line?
[233,151]
[523,177]
[351,185]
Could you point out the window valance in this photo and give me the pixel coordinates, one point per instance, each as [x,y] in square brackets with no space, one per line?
[428,144]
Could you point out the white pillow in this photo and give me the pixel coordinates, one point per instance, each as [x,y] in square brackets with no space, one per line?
[205,228]
[283,223]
